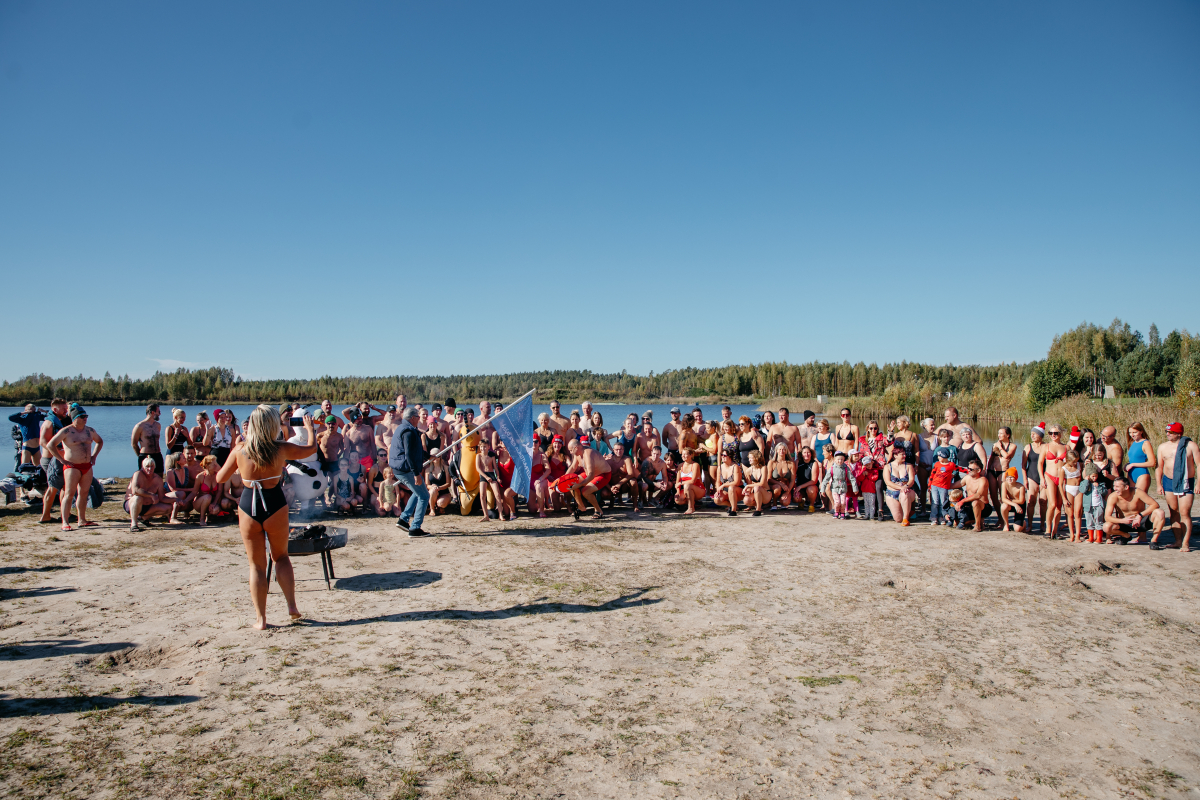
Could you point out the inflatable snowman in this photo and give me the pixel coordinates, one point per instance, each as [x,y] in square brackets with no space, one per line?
[306,487]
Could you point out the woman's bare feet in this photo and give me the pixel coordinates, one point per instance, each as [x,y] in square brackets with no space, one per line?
[260,624]
[294,613]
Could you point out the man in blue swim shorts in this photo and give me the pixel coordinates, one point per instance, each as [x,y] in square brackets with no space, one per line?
[1177,459]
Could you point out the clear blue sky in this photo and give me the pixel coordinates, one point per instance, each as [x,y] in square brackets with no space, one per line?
[297,189]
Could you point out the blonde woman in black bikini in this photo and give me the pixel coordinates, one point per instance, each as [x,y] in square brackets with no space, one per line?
[260,459]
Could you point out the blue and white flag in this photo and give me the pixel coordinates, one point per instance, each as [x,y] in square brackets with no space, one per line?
[515,426]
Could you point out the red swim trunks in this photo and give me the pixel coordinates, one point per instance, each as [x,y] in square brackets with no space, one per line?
[600,481]
[85,467]
[367,462]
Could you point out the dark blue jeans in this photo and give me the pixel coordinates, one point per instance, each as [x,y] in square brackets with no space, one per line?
[414,512]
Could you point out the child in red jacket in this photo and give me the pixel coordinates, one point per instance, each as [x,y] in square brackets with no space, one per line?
[866,472]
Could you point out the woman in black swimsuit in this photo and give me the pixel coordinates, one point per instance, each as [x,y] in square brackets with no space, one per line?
[177,433]
[432,441]
[437,480]
[260,460]
[545,434]
[748,440]
[807,478]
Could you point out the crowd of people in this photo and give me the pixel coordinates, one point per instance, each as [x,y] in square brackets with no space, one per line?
[403,461]
[1094,485]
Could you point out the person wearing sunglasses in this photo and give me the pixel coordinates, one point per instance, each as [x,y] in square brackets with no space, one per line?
[845,435]
[1053,483]
[874,444]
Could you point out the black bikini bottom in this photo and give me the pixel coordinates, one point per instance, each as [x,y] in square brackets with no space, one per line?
[261,504]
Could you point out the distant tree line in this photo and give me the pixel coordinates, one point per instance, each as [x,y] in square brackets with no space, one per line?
[1087,357]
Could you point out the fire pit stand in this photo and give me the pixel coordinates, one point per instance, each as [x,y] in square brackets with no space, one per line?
[332,539]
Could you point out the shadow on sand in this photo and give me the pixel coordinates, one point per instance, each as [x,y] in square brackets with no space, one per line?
[41,706]
[625,601]
[383,581]
[50,648]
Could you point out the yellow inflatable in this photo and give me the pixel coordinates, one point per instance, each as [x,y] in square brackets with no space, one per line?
[470,474]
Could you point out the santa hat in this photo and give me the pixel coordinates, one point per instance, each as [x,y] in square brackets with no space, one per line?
[1074,435]
[1040,428]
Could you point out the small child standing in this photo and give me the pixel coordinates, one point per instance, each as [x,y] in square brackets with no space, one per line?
[941,480]
[866,472]
[852,499]
[1095,496]
[839,483]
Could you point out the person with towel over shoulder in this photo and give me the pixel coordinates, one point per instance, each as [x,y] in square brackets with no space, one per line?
[1177,459]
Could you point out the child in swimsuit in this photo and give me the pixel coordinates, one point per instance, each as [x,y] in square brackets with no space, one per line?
[1072,480]
[345,490]
[385,500]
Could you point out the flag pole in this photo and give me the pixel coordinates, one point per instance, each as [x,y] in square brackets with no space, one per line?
[462,438]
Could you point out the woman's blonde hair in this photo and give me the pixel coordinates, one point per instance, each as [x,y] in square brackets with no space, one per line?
[903,418]
[175,412]
[172,461]
[263,436]
[208,461]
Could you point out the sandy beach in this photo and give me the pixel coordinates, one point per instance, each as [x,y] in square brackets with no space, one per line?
[642,656]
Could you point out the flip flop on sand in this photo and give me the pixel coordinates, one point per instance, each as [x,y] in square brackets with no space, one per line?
[67,528]
[90,525]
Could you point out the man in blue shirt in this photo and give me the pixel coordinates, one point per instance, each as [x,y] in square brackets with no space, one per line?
[30,423]
[406,457]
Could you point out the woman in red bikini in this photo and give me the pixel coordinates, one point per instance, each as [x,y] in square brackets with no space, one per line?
[208,490]
[1052,479]
[689,482]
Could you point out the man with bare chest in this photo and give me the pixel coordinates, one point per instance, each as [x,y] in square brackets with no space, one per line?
[808,431]
[1108,437]
[73,446]
[360,439]
[647,439]
[145,438]
[975,492]
[386,427]
[596,475]
[557,420]
[329,447]
[952,424]
[1130,511]
[784,431]
[671,432]
[1177,460]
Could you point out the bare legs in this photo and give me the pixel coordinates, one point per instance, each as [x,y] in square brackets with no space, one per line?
[276,530]
[74,489]
[901,507]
